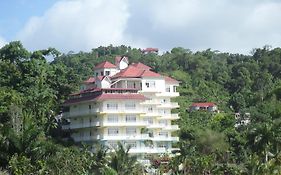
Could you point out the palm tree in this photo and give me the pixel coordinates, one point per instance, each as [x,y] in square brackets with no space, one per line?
[122,162]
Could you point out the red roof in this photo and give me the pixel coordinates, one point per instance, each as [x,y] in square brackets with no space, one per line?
[105,64]
[205,104]
[90,80]
[150,50]
[148,73]
[141,66]
[117,60]
[104,96]
[171,80]
[134,72]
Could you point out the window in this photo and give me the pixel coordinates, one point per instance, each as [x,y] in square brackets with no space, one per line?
[90,106]
[131,144]
[164,134]
[130,106]
[174,89]
[149,120]
[101,73]
[163,122]
[131,131]
[163,101]
[131,118]
[97,74]
[113,131]
[131,84]
[150,109]
[150,84]
[112,119]
[107,72]
[167,89]
[112,106]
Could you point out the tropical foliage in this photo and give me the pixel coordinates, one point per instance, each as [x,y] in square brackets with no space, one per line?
[33,87]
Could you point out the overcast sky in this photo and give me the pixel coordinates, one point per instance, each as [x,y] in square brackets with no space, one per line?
[235,26]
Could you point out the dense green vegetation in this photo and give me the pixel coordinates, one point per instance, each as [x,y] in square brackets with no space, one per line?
[32,89]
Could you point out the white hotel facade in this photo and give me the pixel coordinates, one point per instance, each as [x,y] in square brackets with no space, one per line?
[124,103]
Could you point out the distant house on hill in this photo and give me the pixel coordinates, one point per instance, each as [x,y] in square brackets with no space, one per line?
[150,50]
[204,106]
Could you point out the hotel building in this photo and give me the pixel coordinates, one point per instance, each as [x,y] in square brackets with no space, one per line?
[124,103]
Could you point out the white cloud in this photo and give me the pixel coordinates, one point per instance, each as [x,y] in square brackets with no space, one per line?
[78,25]
[2,42]
[225,25]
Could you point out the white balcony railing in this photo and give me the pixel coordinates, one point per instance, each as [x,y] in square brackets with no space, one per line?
[126,137]
[169,117]
[167,94]
[171,128]
[124,123]
[169,105]
[165,138]
[137,110]
[151,102]
[148,150]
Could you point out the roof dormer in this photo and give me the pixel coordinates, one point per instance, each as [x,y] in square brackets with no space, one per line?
[121,62]
[105,69]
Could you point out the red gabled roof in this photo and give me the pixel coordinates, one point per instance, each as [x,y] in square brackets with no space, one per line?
[205,104]
[141,66]
[90,80]
[130,71]
[171,80]
[104,64]
[150,50]
[148,73]
[134,72]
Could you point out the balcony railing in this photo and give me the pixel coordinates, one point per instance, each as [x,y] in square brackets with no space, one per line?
[125,137]
[167,94]
[148,150]
[165,138]
[84,125]
[124,123]
[169,105]
[81,113]
[169,117]
[85,138]
[171,128]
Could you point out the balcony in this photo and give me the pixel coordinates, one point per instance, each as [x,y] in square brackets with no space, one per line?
[121,110]
[151,102]
[84,125]
[171,128]
[80,113]
[126,137]
[169,117]
[156,126]
[124,123]
[85,138]
[169,105]
[167,94]
[65,127]
[148,150]
[165,138]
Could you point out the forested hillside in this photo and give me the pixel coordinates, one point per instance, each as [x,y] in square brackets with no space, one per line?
[33,89]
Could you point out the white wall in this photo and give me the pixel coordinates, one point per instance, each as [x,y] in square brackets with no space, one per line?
[159,84]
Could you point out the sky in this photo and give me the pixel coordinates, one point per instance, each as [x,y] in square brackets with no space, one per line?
[235,26]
